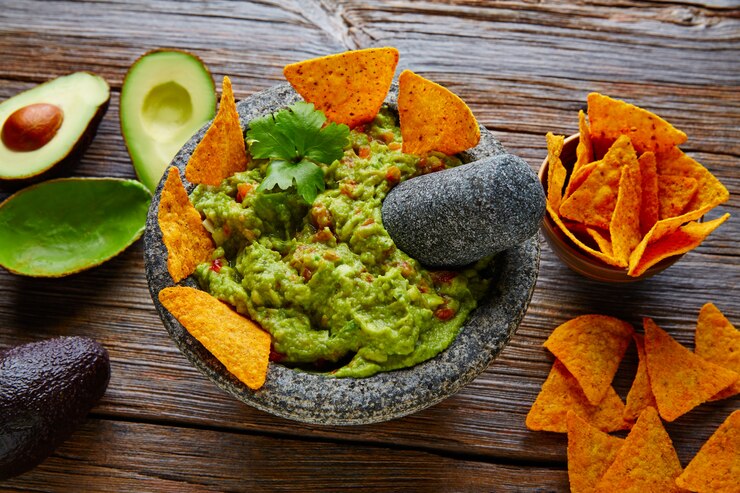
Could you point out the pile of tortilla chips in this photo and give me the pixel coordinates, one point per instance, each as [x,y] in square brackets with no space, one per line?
[631,198]
[577,398]
[349,88]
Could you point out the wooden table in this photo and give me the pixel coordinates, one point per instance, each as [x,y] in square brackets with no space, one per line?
[525,68]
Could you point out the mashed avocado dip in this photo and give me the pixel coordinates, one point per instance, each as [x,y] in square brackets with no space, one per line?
[326,280]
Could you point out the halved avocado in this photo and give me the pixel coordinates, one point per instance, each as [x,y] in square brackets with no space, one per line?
[166,97]
[60,227]
[56,118]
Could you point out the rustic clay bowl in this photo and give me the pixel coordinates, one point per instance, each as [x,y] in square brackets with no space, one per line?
[318,399]
[572,256]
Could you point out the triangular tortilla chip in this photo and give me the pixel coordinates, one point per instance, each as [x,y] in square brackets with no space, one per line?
[646,462]
[640,395]
[710,191]
[718,342]
[590,453]
[432,118]
[680,379]
[237,342]
[607,259]
[593,202]
[650,206]
[674,194]
[591,347]
[188,242]
[624,228]
[222,151]
[610,118]
[555,170]
[561,393]
[685,238]
[716,467]
[348,87]
[578,177]
[602,240]
[584,150]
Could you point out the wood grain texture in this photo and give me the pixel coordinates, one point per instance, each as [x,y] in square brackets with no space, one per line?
[525,68]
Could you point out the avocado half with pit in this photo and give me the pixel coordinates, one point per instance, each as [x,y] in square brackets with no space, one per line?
[166,97]
[45,125]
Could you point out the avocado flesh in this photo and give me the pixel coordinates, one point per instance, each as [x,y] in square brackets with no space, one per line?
[46,390]
[166,97]
[82,96]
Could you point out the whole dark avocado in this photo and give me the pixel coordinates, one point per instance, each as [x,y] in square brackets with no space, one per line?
[46,390]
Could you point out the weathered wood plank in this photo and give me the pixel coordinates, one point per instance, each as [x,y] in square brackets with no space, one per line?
[119,456]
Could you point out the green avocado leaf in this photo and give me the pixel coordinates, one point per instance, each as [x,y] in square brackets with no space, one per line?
[64,226]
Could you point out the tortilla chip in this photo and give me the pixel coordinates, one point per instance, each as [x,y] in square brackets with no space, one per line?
[710,191]
[607,259]
[348,87]
[640,395]
[602,240]
[674,194]
[222,151]
[686,238]
[610,118]
[590,453]
[188,242]
[680,379]
[561,393]
[718,342]
[432,118]
[578,177]
[584,150]
[646,461]
[624,228]
[594,201]
[650,206]
[237,342]
[716,467]
[555,170]
[591,347]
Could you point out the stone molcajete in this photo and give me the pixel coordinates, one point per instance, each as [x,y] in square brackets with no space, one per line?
[321,399]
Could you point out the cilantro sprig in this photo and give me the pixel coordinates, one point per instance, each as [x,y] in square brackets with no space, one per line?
[296,141]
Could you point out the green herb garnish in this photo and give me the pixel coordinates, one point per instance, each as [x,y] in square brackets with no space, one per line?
[296,141]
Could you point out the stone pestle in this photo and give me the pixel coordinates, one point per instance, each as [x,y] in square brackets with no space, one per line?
[460,215]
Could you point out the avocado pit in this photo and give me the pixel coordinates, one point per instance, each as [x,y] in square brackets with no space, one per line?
[32,127]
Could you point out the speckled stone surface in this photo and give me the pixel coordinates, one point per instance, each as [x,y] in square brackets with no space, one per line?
[315,398]
[461,215]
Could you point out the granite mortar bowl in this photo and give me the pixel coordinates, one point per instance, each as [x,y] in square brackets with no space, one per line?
[318,399]
[572,256]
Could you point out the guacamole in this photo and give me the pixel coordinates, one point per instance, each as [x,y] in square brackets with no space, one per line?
[326,280]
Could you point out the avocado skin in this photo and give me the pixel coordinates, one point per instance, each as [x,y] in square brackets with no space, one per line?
[46,390]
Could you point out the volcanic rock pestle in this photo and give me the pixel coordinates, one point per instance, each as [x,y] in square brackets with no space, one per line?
[460,215]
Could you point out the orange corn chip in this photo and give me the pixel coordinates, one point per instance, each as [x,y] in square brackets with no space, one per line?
[710,191]
[555,169]
[640,395]
[187,241]
[610,118]
[674,194]
[584,150]
[646,461]
[591,347]
[578,177]
[607,259]
[716,467]
[590,453]
[593,202]
[686,238]
[348,87]
[680,379]
[650,206]
[222,151]
[561,393]
[237,342]
[718,342]
[432,118]
[624,228]
[604,243]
